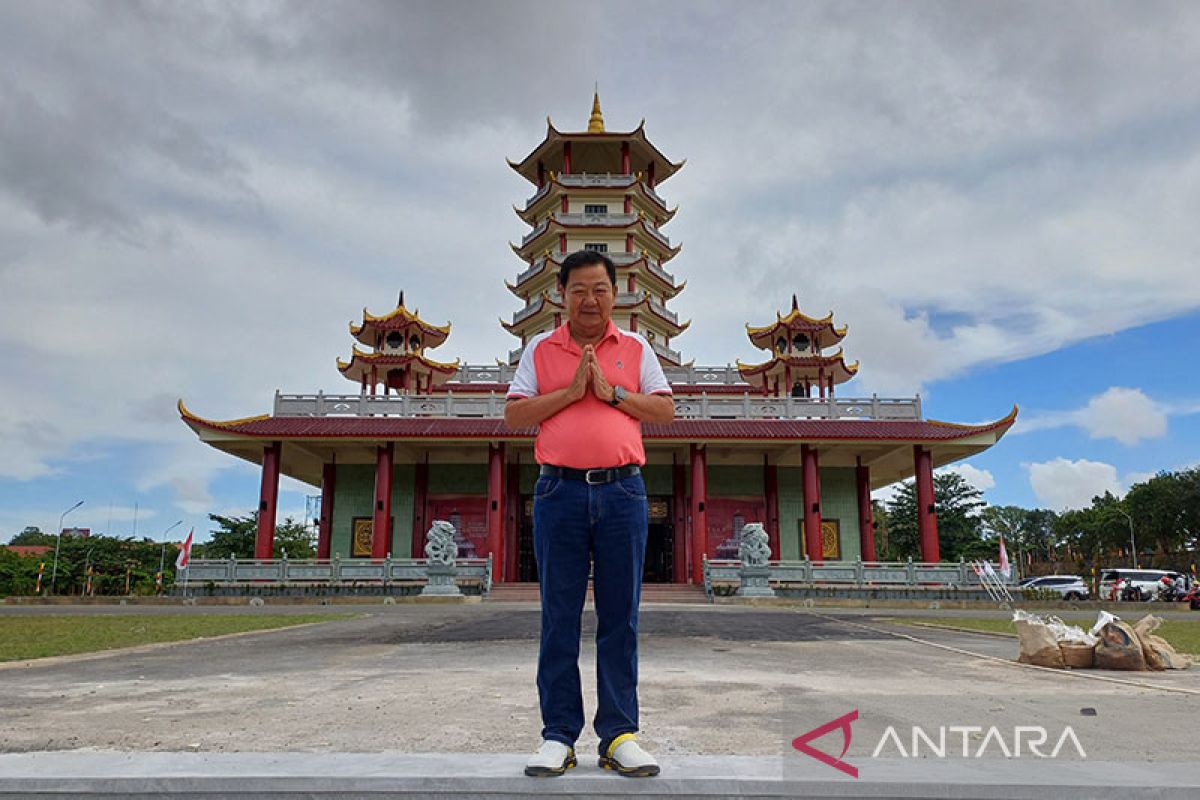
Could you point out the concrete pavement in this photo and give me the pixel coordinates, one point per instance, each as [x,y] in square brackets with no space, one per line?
[452,688]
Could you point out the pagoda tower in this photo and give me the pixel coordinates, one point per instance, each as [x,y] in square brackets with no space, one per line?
[397,360]
[798,364]
[596,190]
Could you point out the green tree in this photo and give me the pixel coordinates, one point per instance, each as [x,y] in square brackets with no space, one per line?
[33,535]
[234,537]
[958,505]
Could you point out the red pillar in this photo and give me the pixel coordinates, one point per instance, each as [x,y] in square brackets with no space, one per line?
[650,175]
[679,506]
[565,204]
[325,527]
[926,511]
[381,527]
[268,499]
[496,505]
[541,174]
[866,516]
[420,499]
[628,204]
[771,485]
[812,502]
[629,243]
[633,322]
[699,512]
[512,520]
[625,159]
[566,170]
[562,243]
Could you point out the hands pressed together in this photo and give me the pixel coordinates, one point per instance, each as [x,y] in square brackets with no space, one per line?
[588,375]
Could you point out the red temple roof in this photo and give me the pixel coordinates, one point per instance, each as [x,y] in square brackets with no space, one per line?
[267,427]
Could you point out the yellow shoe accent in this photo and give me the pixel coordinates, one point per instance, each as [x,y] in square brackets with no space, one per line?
[617,741]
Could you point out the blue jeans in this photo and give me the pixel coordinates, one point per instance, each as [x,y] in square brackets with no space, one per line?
[576,525]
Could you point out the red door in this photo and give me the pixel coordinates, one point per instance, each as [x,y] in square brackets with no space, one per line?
[726,517]
[468,515]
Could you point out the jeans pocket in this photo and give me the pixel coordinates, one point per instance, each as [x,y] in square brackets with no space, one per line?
[633,487]
[545,486]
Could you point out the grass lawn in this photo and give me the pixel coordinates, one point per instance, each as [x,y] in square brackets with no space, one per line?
[1184,635]
[39,636]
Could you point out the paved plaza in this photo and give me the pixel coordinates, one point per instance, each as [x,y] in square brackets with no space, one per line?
[720,685]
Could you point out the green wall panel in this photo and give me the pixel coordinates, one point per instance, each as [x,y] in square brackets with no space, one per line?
[839,500]
[354,496]
[735,481]
[458,479]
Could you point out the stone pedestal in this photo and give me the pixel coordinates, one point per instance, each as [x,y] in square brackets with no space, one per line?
[755,582]
[441,581]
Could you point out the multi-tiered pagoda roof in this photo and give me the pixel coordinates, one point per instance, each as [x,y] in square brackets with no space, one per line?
[596,190]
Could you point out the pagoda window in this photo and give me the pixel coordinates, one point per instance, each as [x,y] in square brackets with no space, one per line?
[414,343]
[395,340]
[781,345]
[596,247]
[595,208]
[800,342]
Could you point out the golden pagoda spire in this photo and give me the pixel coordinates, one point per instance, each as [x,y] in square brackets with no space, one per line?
[596,121]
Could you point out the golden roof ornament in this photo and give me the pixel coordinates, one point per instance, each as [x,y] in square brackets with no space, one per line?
[596,121]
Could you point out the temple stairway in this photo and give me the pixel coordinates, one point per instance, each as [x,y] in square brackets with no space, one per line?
[651,593]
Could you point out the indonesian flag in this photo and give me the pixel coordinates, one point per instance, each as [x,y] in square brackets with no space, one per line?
[185,552]
[1005,569]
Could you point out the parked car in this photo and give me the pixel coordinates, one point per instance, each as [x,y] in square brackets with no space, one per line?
[1071,587]
[1146,580]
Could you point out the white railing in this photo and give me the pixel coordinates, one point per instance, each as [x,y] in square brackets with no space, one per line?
[851,573]
[610,220]
[688,405]
[536,232]
[727,375]
[606,179]
[333,571]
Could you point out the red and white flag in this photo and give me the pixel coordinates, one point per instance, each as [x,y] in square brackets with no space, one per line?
[185,551]
[1005,569]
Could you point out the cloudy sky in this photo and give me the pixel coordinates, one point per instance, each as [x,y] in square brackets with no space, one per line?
[1000,199]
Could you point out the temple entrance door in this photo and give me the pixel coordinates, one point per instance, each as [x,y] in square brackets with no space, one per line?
[660,543]
[526,561]
[726,518]
[468,515]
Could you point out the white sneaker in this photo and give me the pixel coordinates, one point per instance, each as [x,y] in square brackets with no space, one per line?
[550,759]
[627,757]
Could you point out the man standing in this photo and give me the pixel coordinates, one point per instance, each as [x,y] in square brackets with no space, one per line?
[587,385]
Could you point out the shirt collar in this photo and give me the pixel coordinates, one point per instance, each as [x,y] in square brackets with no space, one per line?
[562,336]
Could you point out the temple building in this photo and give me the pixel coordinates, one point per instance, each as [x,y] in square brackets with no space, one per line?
[757,442]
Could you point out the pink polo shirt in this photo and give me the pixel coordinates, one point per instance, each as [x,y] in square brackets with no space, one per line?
[589,433]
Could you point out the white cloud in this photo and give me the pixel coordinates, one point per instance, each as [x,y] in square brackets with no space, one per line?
[1121,413]
[981,479]
[202,219]
[1062,484]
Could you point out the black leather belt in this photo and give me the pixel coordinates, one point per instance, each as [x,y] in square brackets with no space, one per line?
[592,477]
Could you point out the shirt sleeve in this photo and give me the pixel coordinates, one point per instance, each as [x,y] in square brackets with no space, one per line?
[652,378]
[524,382]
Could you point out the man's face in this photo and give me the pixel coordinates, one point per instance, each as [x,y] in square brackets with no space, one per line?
[589,296]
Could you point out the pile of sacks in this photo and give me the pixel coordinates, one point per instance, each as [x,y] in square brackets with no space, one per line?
[1110,644]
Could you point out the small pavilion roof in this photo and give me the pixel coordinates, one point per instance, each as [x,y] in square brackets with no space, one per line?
[821,330]
[398,319]
[360,363]
[551,147]
[809,367]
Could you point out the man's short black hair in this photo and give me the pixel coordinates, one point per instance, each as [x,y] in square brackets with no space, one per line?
[585,258]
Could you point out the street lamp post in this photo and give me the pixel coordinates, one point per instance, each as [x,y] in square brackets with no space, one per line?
[1132,543]
[162,557]
[58,543]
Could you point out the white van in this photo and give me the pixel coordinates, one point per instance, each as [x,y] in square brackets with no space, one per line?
[1146,580]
